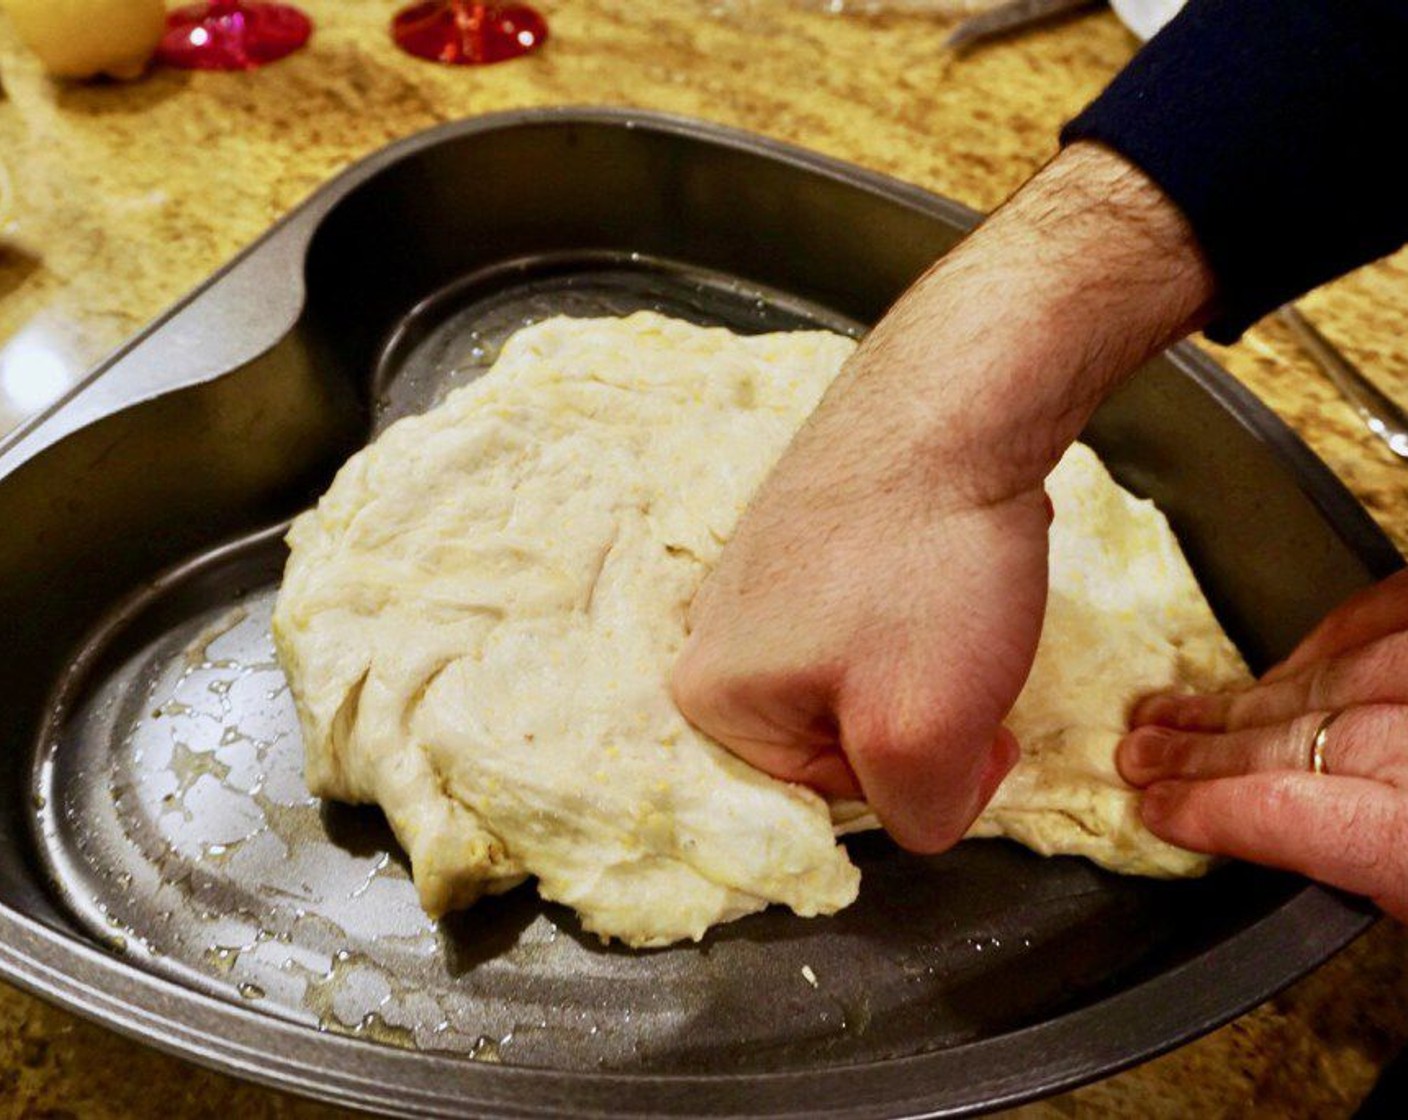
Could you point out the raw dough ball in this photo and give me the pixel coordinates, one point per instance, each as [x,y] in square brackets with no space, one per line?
[480,617]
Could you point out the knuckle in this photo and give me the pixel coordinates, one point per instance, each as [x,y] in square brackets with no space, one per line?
[1264,702]
[697,685]
[1385,670]
[1242,708]
[1374,743]
[1376,673]
[1337,629]
[1323,684]
[885,729]
[1181,754]
[889,747]
[1360,741]
[1261,751]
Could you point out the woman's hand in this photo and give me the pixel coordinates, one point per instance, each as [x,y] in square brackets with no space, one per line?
[1233,773]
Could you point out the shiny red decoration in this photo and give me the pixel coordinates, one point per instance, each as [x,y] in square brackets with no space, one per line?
[232,34]
[463,33]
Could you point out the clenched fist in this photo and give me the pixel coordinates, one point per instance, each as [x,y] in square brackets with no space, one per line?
[876,614]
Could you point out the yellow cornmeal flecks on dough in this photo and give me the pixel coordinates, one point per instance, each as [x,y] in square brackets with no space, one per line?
[1124,617]
[466,615]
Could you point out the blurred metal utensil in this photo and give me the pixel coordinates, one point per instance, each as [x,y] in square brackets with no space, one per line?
[1010,16]
[1380,413]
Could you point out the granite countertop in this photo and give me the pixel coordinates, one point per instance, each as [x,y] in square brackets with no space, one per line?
[130,195]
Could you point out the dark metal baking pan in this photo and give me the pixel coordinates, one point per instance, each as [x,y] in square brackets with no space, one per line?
[163,871]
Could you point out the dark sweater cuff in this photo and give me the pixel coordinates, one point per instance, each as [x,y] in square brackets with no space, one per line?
[1273,127]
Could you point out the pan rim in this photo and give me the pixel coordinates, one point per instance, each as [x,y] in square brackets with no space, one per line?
[1314,923]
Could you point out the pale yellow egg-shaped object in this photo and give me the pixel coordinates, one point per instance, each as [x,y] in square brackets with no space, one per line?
[85,38]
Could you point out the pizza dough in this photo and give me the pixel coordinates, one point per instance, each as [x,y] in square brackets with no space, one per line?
[479,619]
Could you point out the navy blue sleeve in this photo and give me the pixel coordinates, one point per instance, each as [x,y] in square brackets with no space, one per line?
[1276,127]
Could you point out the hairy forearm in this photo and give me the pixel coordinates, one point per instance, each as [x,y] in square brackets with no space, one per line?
[1006,346]
[877,611]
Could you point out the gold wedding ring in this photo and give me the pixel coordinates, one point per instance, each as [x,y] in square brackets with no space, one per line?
[1318,741]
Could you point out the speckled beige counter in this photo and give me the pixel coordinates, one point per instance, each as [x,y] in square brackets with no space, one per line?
[131,195]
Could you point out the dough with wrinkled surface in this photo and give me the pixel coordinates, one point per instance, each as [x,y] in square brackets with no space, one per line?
[1124,617]
[479,618]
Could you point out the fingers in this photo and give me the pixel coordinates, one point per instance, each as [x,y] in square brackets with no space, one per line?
[1349,832]
[926,782]
[1369,741]
[781,731]
[1364,617]
[926,766]
[1200,712]
[1376,673]
[1229,773]
[927,800]
[823,768]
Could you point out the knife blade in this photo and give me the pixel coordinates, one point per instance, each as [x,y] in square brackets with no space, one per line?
[1380,412]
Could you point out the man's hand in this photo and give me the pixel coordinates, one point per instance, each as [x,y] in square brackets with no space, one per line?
[867,615]
[877,611]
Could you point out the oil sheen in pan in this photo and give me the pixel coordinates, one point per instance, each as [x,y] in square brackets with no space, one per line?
[454,336]
[175,824]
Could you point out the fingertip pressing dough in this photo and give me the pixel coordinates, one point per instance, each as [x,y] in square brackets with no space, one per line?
[479,618]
